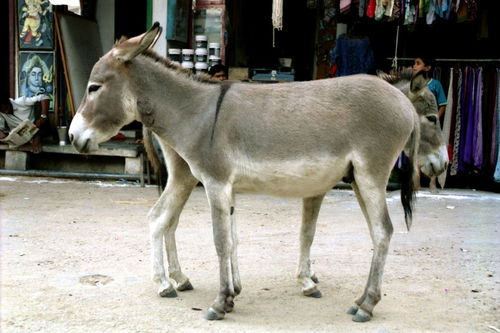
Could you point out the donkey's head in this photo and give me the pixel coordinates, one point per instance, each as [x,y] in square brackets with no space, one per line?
[108,103]
[432,154]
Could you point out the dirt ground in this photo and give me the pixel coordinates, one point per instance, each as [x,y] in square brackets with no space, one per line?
[75,258]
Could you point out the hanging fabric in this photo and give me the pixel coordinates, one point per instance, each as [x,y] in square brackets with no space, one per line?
[477,140]
[458,126]
[277,17]
[447,123]
[496,175]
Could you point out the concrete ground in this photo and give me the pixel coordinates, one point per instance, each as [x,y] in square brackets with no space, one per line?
[75,258]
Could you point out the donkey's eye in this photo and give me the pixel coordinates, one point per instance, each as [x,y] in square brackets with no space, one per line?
[432,119]
[94,87]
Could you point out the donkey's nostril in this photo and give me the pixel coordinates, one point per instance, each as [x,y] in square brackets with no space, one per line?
[71,138]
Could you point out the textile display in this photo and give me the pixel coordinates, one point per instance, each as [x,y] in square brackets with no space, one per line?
[407,11]
[471,123]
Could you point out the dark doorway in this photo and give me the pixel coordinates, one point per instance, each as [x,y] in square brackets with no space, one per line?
[130,20]
[250,36]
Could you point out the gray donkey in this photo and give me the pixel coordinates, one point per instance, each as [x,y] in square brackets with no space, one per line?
[294,140]
[432,148]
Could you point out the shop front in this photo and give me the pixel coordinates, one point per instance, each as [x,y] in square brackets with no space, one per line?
[243,35]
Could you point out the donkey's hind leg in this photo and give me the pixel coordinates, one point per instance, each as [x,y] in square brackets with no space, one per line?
[310,211]
[229,305]
[164,218]
[371,197]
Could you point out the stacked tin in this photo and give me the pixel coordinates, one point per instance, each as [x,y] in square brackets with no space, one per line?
[200,59]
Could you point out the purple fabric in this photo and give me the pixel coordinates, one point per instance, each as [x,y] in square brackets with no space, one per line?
[465,137]
[477,152]
[469,114]
[496,175]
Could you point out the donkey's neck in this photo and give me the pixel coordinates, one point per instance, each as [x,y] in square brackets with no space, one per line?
[173,104]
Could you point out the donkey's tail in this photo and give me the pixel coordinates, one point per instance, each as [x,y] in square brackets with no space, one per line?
[409,174]
[154,158]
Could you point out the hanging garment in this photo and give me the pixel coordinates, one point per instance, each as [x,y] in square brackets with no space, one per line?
[397,11]
[467,122]
[455,96]
[458,125]
[496,175]
[494,135]
[448,114]
[384,7]
[410,13]
[330,10]
[362,7]
[431,12]
[477,140]
[352,55]
[370,8]
[345,5]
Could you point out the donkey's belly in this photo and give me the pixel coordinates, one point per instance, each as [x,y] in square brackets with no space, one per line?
[297,178]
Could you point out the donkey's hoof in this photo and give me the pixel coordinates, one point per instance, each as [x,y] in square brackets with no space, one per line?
[361,316]
[185,286]
[169,293]
[353,310]
[214,315]
[315,294]
[315,278]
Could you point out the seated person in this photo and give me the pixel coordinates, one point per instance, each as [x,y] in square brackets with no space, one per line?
[14,111]
[218,72]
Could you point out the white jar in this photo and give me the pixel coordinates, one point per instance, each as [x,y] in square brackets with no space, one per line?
[187,65]
[201,41]
[175,55]
[188,55]
[214,49]
[201,55]
[201,67]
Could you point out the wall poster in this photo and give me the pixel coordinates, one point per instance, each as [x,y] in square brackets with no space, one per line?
[35,24]
[36,74]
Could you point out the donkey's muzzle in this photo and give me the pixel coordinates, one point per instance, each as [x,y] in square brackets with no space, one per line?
[436,163]
[81,146]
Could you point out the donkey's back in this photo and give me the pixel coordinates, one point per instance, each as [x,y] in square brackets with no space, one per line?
[299,139]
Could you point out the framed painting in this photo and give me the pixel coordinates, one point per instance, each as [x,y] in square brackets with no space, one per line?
[36,74]
[35,24]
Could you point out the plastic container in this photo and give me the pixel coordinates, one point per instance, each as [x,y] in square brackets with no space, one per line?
[201,41]
[214,60]
[175,55]
[201,67]
[187,55]
[187,65]
[214,49]
[201,55]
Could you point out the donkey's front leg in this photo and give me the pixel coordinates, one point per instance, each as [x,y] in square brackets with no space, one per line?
[164,218]
[310,211]
[220,199]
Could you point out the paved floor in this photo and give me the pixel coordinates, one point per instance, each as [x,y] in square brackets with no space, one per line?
[75,258]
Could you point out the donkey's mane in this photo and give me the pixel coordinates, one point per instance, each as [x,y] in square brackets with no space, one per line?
[404,74]
[205,78]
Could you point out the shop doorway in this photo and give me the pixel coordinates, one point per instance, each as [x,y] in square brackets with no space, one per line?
[250,36]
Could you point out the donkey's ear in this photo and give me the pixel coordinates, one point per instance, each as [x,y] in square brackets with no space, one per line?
[131,48]
[418,82]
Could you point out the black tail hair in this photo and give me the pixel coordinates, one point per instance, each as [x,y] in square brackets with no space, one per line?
[408,177]
[159,168]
